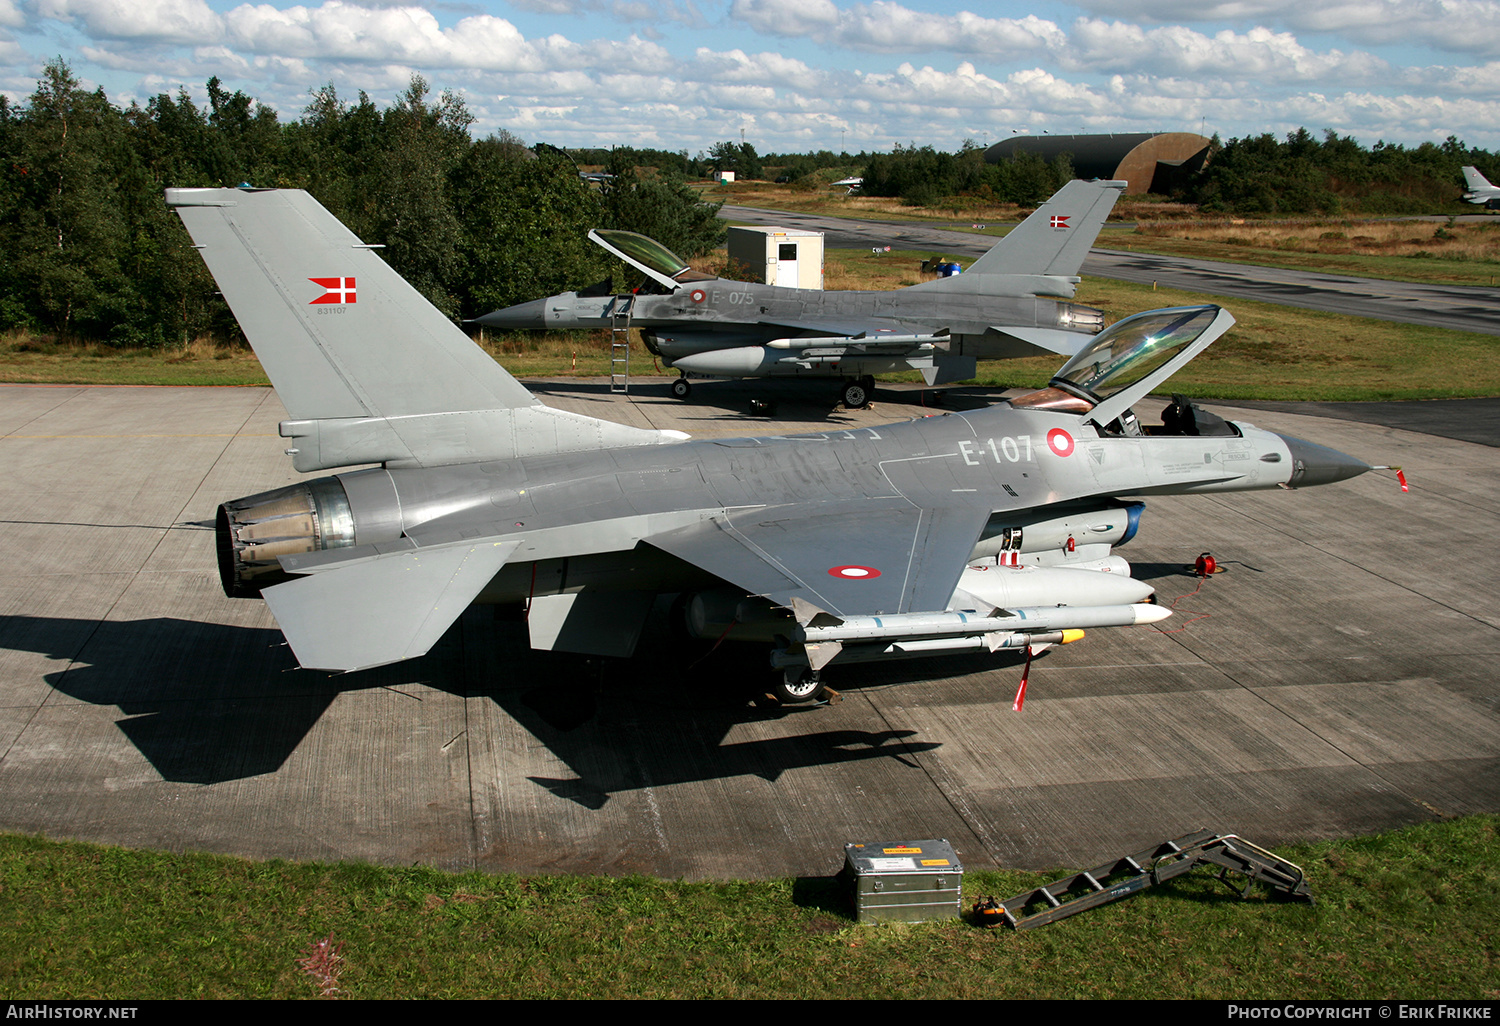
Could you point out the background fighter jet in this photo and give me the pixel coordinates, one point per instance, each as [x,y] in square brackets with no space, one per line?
[1480,190]
[1009,303]
[826,548]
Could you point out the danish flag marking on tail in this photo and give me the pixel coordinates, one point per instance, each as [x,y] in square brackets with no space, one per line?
[1059,220]
[339,290]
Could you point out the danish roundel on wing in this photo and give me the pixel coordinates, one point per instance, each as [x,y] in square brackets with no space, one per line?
[1060,442]
[854,573]
[699,295]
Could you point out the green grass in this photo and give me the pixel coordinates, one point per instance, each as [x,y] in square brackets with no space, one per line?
[1285,353]
[1272,352]
[1413,913]
[37,360]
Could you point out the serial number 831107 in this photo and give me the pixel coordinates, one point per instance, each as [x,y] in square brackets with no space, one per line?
[1006,450]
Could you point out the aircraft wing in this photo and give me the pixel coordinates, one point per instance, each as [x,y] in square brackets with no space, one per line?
[384,604]
[869,557]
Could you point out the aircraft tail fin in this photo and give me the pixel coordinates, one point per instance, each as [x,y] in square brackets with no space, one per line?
[1057,236]
[368,369]
[1476,181]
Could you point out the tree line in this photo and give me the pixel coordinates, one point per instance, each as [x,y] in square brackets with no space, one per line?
[89,250]
[923,176]
[1255,175]
[1303,175]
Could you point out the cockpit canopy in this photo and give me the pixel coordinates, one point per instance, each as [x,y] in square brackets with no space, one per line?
[1121,364]
[642,251]
[1131,349]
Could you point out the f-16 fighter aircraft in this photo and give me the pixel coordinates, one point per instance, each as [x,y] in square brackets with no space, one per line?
[829,548]
[1479,189]
[1009,303]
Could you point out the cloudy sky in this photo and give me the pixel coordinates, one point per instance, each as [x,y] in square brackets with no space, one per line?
[811,74]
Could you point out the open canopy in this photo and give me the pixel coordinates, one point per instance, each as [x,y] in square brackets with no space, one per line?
[643,253]
[1134,356]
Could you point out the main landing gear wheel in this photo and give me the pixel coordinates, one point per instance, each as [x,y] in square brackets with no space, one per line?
[857,393]
[681,388]
[798,685]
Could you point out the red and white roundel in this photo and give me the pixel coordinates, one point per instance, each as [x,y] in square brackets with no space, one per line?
[1060,442]
[854,573]
[699,295]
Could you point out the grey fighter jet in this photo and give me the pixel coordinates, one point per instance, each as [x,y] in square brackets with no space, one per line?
[983,530]
[1011,302]
[1479,190]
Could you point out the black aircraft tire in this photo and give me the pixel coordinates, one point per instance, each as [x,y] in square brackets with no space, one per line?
[856,396]
[681,389]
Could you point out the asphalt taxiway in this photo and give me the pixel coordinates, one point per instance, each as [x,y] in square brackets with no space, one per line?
[1338,678]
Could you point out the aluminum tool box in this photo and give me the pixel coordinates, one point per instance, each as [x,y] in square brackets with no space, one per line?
[905,881]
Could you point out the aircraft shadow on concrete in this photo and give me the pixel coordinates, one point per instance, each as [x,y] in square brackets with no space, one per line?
[207,703]
[202,702]
[660,718]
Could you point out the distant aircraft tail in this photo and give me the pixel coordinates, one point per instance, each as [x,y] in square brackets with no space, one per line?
[1054,239]
[369,370]
[1476,181]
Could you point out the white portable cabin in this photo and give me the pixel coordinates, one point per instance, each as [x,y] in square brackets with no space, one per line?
[779,256]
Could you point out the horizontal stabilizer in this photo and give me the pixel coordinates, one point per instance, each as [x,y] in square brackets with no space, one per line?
[382,609]
[1046,340]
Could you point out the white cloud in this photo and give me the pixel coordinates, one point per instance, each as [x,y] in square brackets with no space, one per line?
[161,21]
[892,28]
[1460,26]
[585,83]
[761,68]
[1175,50]
[551,6]
[887,27]
[786,17]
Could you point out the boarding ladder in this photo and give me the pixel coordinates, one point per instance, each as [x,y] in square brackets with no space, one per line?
[619,343]
[1133,873]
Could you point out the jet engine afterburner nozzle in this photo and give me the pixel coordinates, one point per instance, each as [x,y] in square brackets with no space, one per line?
[1317,464]
[253,531]
[1077,317]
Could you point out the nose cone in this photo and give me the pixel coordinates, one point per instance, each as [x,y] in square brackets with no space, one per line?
[1317,464]
[522,315]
